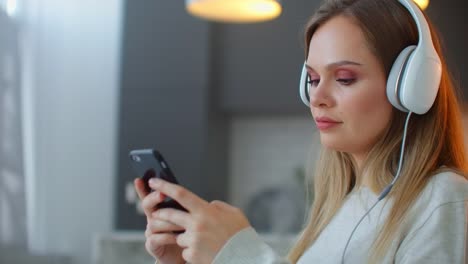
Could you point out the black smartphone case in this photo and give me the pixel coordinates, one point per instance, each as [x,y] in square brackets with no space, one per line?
[149,163]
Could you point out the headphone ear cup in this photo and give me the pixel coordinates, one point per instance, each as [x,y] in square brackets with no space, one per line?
[304,86]
[395,78]
[421,81]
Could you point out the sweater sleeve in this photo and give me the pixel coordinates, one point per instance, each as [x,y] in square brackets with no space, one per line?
[441,238]
[246,247]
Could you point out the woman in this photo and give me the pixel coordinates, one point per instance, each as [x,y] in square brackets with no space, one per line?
[351,46]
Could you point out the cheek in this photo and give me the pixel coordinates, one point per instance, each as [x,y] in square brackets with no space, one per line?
[367,113]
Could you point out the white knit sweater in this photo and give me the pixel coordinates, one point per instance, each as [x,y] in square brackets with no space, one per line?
[435,231]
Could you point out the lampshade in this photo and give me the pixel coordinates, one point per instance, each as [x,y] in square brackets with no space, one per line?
[422,3]
[234,11]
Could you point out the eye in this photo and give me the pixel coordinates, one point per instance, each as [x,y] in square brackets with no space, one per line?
[346,82]
[312,81]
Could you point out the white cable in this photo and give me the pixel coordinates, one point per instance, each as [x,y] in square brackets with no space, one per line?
[402,149]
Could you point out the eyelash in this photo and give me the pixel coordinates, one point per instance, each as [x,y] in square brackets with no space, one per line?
[311,82]
[345,82]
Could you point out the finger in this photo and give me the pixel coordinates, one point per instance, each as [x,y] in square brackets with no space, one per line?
[140,188]
[159,226]
[150,201]
[222,205]
[183,240]
[184,197]
[174,216]
[188,254]
[157,240]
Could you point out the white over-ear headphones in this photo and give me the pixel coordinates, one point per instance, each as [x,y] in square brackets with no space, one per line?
[415,75]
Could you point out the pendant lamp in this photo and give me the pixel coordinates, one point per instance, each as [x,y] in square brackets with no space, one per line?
[234,11]
[422,3]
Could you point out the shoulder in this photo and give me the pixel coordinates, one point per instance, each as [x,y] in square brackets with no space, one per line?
[436,227]
[446,190]
[446,187]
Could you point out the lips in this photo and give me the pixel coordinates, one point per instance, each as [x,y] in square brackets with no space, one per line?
[324,122]
[326,119]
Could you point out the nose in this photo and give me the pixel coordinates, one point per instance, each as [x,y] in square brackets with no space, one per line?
[321,95]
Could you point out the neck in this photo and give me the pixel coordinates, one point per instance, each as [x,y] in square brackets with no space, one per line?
[363,179]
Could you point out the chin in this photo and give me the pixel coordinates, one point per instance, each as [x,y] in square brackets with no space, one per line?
[335,143]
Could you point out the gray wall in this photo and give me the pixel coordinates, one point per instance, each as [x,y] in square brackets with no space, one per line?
[165,101]
[449,17]
[259,64]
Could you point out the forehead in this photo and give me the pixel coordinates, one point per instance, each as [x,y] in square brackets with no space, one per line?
[340,38]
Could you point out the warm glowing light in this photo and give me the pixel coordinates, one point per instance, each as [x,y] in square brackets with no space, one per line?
[235,11]
[422,3]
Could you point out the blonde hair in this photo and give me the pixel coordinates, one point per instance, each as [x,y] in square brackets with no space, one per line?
[434,141]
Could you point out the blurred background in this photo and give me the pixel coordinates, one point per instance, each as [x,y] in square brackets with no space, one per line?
[84,82]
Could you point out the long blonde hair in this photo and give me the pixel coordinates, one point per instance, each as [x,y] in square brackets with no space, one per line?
[434,140]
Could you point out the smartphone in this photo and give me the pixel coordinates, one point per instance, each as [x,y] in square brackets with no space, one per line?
[149,163]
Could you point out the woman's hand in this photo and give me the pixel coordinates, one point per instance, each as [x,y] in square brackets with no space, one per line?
[160,239]
[208,226]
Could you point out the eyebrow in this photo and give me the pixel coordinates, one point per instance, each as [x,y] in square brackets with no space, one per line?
[337,64]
